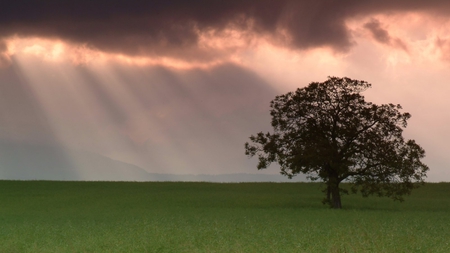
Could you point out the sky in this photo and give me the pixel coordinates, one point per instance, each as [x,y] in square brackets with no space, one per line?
[177,87]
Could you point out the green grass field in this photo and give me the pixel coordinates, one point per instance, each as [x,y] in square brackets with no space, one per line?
[41,216]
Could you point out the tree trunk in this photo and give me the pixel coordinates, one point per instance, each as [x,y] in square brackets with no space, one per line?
[328,194]
[335,197]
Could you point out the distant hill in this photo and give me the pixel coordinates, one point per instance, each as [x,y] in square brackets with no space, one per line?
[37,162]
[227,178]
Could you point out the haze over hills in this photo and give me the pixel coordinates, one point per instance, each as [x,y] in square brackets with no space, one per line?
[37,162]
[33,162]
[178,88]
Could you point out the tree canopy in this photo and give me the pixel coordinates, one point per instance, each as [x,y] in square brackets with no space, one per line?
[330,133]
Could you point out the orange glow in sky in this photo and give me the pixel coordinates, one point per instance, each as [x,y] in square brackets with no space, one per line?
[406,56]
[413,37]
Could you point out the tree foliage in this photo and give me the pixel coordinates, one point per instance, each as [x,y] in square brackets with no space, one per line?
[329,132]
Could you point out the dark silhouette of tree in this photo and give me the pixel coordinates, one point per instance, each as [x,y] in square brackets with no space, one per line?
[329,132]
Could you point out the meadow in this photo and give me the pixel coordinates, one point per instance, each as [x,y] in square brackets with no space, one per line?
[52,216]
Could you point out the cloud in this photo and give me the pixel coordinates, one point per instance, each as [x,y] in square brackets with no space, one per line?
[382,35]
[379,34]
[4,55]
[175,28]
[443,45]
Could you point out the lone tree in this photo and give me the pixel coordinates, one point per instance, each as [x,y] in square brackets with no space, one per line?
[329,132]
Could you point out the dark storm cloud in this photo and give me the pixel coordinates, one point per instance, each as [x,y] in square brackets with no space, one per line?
[378,33]
[382,35]
[170,27]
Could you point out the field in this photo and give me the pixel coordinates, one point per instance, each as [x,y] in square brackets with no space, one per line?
[43,216]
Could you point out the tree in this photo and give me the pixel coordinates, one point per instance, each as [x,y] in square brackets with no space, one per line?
[329,132]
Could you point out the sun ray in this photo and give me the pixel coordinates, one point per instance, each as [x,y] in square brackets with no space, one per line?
[158,110]
[46,93]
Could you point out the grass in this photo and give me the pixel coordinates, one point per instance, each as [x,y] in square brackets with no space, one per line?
[43,216]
